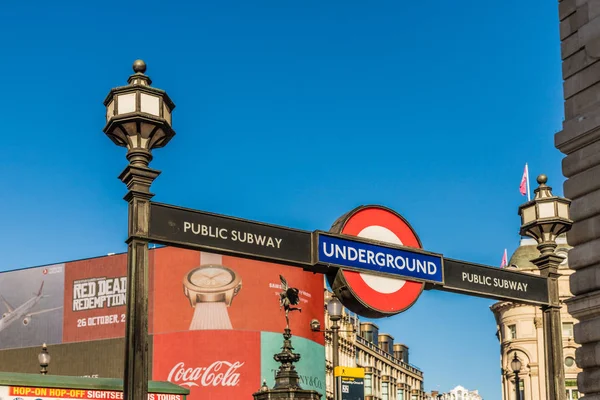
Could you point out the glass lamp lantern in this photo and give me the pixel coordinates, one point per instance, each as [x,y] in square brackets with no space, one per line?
[515,364]
[138,116]
[545,217]
[334,308]
[44,359]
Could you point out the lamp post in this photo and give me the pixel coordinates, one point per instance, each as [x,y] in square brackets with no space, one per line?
[544,218]
[44,359]
[138,117]
[334,309]
[516,367]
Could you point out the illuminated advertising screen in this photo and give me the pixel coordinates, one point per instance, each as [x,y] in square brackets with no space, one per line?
[31,302]
[215,320]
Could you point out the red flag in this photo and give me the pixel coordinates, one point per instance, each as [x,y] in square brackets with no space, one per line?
[504,260]
[523,186]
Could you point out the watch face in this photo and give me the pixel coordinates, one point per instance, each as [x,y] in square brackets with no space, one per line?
[211,277]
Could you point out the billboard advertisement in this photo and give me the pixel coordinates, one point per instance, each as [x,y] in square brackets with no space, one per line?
[310,368]
[95,301]
[223,365]
[53,393]
[31,302]
[204,291]
[216,321]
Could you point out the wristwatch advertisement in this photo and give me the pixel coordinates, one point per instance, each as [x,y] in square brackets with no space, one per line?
[210,289]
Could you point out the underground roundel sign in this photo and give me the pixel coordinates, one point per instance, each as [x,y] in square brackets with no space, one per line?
[371,295]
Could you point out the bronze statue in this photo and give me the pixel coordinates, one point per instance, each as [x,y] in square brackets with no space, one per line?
[288,298]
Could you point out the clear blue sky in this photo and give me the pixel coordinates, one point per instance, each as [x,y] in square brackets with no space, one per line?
[292,112]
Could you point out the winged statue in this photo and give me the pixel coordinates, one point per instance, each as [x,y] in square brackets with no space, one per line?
[288,297]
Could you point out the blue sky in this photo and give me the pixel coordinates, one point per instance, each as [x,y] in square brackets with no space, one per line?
[292,113]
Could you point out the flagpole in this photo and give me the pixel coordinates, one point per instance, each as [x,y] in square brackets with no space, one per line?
[528,193]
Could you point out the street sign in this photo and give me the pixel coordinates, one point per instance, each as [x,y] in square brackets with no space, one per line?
[351,382]
[494,283]
[378,266]
[364,255]
[366,293]
[200,230]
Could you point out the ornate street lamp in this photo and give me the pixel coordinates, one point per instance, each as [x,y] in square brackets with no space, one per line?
[516,367]
[334,309]
[138,117]
[44,360]
[544,218]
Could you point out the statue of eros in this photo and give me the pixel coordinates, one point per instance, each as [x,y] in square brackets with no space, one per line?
[288,297]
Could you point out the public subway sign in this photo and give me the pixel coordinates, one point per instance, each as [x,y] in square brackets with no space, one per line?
[366,248]
[224,234]
[363,255]
[495,283]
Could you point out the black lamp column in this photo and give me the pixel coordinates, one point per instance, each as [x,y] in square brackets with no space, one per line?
[544,218]
[516,367]
[138,117]
[334,309]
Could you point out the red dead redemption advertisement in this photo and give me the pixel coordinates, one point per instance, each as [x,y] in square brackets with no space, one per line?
[213,365]
[95,298]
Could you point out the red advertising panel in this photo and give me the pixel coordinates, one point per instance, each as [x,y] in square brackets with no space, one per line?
[213,366]
[95,298]
[204,291]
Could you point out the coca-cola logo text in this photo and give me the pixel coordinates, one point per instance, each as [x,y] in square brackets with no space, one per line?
[219,373]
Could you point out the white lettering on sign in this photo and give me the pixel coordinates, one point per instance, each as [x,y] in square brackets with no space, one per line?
[89,294]
[381,259]
[219,373]
[494,282]
[234,235]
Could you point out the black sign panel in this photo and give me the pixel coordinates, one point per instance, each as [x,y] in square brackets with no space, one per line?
[222,234]
[352,388]
[495,283]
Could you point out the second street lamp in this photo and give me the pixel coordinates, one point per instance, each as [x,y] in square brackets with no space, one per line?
[334,309]
[544,218]
[516,367]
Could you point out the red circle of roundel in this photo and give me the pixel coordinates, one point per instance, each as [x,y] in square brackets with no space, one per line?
[404,297]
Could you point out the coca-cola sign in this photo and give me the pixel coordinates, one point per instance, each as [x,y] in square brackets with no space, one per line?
[219,373]
[212,364]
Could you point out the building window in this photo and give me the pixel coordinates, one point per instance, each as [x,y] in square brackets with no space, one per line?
[400,394]
[567,329]
[572,392]
[384,391]
[512,331]
[569,361]
[368,385]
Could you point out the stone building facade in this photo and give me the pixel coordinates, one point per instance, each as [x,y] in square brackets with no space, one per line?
[520,331]
[579,140]
[388,373]
[458,393]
